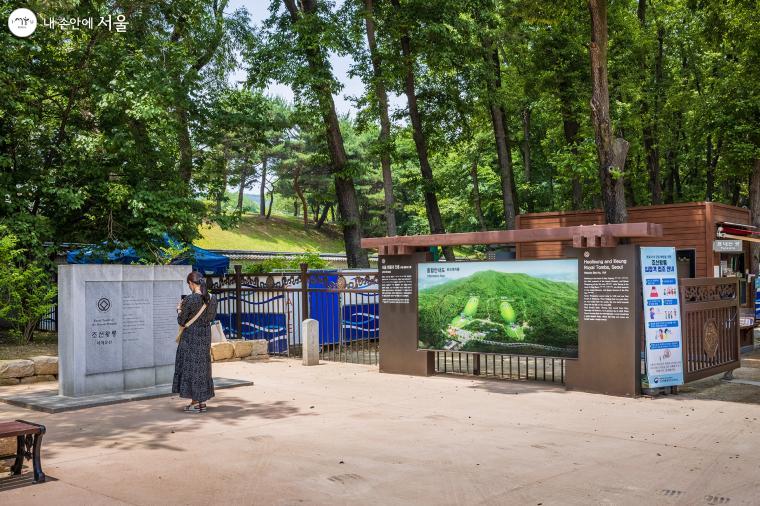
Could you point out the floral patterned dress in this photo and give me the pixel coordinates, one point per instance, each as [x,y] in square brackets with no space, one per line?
[192,367]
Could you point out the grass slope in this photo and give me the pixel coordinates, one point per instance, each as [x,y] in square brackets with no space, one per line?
[548,309]
[278,233]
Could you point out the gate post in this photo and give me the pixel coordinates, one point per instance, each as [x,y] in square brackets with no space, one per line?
[304,291]
[238,302]
[310,333]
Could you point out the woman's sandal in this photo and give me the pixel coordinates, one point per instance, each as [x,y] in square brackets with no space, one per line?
[196,408]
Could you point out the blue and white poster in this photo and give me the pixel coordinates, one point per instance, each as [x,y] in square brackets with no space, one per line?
[662,317]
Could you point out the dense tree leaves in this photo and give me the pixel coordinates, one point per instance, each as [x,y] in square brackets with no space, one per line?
[108,136]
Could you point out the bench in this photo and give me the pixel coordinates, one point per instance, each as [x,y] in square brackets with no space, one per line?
[28,442]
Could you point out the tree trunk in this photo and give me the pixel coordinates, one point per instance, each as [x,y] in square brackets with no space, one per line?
[221,193]
[669,187]
[323,216]
[384,137]
[476,194]
[754,210]
[207,50]
[630,193]
[650,130]
[271,201]
[677,181]
[735,191]
[184,144]
[243,183]
[263,187]
[526,115]
[431,200]
[526,153]
[295,208]
[345,190]
[611,152]
[501,135]
[653,164]
[570,129]
[711,160]
[332,214]
[302,198]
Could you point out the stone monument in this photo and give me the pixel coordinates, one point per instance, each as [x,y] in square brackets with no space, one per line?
[117,326]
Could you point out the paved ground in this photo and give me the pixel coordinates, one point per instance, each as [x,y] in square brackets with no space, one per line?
[345,434]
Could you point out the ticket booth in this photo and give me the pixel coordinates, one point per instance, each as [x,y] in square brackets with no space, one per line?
[711,240]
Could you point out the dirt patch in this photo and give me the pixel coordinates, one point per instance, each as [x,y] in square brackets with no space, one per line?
[45,343]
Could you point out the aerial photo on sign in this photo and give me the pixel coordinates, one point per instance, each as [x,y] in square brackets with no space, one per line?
[528,307]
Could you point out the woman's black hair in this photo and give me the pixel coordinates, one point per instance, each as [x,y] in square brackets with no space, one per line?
[198,278]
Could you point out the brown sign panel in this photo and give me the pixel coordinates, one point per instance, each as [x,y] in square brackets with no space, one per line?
[609,349]
[728,246]
[398,316]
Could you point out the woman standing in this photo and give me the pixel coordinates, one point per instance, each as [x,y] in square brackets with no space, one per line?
[192,367]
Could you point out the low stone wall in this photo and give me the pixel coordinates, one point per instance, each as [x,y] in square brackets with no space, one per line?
[44,368]
[25,371]
[238,349]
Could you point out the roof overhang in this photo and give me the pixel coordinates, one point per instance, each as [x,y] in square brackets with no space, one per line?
[591,236]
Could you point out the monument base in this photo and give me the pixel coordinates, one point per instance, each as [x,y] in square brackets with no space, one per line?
[49,401]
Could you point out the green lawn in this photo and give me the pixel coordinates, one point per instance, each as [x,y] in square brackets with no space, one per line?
[278,233]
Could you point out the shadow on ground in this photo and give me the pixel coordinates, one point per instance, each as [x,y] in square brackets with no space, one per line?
[505,386]
[19,481]
[150,424]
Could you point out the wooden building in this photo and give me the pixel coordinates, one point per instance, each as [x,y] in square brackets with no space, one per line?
[691,228]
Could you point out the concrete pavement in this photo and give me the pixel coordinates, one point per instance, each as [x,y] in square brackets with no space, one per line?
[345,434]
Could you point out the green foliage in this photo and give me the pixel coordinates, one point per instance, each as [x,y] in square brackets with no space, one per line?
[27,290]
[168,255]
[281,263]
[91,121]
[122,137]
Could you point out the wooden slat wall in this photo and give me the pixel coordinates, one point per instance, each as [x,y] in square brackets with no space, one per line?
[684,227]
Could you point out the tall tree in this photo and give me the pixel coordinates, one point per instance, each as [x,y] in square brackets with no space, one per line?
[501,133]
[650,114]
[308,29]
[200,41]
[611,151]
[420,142]
[384,138]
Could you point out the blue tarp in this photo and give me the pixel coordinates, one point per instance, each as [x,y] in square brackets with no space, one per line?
[203,260]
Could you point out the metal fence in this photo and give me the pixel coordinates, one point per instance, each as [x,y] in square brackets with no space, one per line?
[49,322]
[272,306]
[501,366]
[710,319]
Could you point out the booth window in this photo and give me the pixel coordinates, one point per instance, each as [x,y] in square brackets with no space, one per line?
[686,262]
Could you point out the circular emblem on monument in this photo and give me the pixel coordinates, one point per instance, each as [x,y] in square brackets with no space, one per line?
[710,338]
[270,282]
[104,304]
[586,254]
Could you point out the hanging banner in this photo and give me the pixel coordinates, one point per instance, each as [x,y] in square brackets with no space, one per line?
[662,314]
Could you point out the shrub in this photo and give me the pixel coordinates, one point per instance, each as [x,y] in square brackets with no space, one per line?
[26,288]
[280,263]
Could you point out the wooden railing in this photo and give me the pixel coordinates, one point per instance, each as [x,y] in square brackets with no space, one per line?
[710,323]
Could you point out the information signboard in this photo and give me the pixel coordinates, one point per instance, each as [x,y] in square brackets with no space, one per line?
[662,314]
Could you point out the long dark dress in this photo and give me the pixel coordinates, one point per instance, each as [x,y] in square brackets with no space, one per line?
[192,367]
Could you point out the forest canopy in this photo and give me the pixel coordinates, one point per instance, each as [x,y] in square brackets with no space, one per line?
[472,112]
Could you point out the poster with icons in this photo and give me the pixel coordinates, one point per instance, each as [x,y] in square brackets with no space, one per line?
[662,317]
